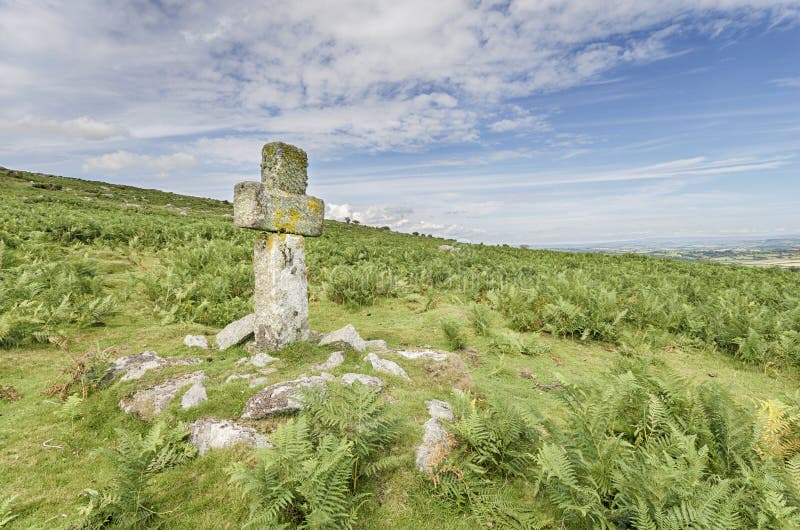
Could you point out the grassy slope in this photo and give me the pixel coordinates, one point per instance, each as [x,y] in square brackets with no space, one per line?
[48,481]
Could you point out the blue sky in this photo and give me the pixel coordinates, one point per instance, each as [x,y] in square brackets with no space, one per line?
[538,122]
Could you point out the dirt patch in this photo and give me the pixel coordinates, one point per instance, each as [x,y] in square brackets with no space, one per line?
[9,393]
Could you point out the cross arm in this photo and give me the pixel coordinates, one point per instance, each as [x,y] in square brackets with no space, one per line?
[274,210]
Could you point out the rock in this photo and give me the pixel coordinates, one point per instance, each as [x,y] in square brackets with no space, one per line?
[152,401]
[194,396]
[387,366]
[280,296]
[209,433]
[346,335]
[197,341]
[135,366]
[364,379]
[280,397]
[448,248]
[236,332]
[377,345]
[335,359]
[441,410]
[273,210]
[242,360]
[422,354]
[284,167]
[236,377]
[435,445]
[262,359]
[257,382]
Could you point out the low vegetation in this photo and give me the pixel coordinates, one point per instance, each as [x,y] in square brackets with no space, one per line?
[601,391]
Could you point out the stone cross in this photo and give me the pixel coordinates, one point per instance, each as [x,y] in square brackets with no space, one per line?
[279,208]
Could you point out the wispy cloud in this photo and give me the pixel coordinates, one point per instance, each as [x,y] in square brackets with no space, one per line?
[123,160]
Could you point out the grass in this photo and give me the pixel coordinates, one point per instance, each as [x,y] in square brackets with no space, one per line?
[47,482]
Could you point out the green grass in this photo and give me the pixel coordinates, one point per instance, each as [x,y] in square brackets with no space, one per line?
[170,274]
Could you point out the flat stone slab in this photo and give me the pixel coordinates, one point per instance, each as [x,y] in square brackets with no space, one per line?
[273,210]
[196,341]
[335,359]
[262,359]
[150,402]
[376,345]
[364,379]
[435,441]
[135,366]
[236,332]
[422,354]
[346,335]
[207,433]
[387,366]
[280,397]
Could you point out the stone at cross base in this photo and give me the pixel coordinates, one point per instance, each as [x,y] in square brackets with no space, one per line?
[283,214]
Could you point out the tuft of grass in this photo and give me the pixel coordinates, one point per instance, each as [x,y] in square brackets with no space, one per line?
[454,334]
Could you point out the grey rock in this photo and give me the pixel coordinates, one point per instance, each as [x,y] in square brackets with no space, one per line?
[262,359]
[335,359]
[236,332]
[135,366]
[197,341]
[281,291]
[272,210]
[364,379]
[441,410]
[152,401]
[346,335]
[284,167]
[194,396]
[280,397]
[242,360]
[422,354]
[257,382]
[376,345]
[448,248]
[208,433]
[435,442]
[385,365]
[236,377]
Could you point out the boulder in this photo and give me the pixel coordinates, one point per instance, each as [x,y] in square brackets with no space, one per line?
[262,359]
[422,354]
[280,397]
[196,341]
[448,248]
[135,366]
[209,433]
[335,359]
[346,335]
[364,379]
[194,396]
[387,366]
[376,345]
[150,402]
[236,332]
[435,441]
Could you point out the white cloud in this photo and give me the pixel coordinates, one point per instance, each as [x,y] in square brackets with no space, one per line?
[787,82]
[83,127]
[123,160]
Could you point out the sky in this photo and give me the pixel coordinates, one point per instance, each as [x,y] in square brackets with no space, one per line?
[537,122]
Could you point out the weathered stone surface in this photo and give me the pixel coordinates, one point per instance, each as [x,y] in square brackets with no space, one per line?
[236,332]
[422,354]
[257,382]
[284,167]
[152,401]
[376,345]
[280,397]
[435,445]
[194,396]
[135,366]
[441,410]
[448,248]
[273,210]
[346,335]
[262,359]
[385,365]
[335,359]
[209,433]
[281,291]
[364,379]
[196,341]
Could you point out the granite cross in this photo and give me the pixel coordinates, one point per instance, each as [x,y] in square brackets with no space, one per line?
[279,208]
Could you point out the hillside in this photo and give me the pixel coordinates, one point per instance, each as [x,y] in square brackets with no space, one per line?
[622,391]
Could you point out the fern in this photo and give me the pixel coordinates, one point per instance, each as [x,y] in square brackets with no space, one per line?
[6,511]
[129,502]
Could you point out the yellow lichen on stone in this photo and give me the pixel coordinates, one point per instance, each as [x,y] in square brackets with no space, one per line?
[286,222]
[314,205]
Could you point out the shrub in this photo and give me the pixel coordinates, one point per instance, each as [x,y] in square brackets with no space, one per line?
[481,319]
[454,334]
